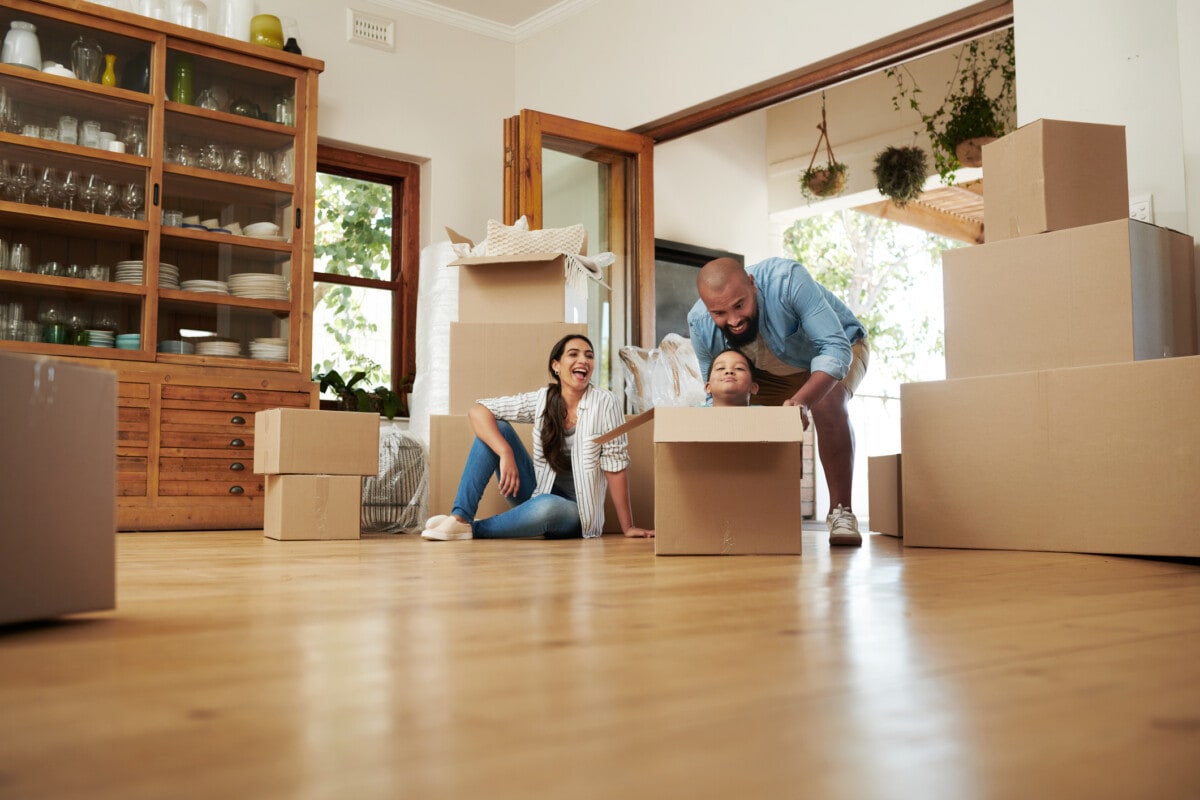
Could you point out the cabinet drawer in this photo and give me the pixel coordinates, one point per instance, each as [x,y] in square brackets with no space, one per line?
[133,427]
[129,393]
[231,422]
[217,398]
[202,468]
[213,440]
[131,475]
[251,487]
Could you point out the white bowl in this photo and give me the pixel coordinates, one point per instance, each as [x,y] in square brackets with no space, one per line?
[261,229]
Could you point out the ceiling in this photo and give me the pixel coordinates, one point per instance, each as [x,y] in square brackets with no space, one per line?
[952,211]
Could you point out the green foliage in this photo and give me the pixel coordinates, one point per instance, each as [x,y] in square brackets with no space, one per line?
[353,236]
[974,104]
[872,264]
[900,173]
[352,397]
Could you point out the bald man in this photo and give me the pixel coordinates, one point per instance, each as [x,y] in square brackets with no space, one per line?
[808,350]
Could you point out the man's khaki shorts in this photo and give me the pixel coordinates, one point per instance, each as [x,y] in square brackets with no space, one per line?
[774,389]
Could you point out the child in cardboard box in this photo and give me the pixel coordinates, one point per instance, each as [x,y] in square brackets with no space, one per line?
[559,492]
[731,379]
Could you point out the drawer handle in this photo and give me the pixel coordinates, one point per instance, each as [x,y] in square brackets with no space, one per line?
[237,443]
[237,466]
[236,490]
[238,396]
[238,421]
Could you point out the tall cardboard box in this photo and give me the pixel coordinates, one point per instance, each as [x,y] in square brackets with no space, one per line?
[535,287]
[308,441]
[885,496]
[490,360]
[1098,294]
[726,480]
[1102,459]
[1051,175]
[450,439]
[300,507]
[58,490]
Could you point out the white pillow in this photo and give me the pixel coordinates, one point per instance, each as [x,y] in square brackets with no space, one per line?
[505,241]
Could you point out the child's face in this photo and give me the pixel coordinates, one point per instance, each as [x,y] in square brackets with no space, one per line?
[730,382]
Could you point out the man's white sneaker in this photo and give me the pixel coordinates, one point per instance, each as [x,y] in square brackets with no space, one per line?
[448,530]
[843,528]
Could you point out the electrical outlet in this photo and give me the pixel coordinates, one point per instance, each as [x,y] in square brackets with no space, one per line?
[1142,208]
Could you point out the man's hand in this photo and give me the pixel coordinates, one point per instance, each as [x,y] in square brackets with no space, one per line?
[796,401]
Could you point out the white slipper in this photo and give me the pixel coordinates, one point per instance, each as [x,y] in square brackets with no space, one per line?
[448,530]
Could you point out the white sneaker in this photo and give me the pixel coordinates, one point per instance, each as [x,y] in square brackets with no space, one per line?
[843,528]
[448,530]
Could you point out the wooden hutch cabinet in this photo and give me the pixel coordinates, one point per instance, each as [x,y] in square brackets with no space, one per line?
[204,325]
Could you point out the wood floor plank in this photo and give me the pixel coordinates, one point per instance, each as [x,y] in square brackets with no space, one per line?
[237,666]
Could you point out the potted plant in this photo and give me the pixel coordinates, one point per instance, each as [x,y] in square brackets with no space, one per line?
[828,179]
[381,400]
[979,106]
[900,173]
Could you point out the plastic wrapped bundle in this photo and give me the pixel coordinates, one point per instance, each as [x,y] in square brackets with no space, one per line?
[668,375]
[395,500]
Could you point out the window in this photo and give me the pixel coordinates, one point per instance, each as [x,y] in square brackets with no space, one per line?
[365,266]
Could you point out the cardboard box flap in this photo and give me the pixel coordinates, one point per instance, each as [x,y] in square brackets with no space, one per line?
[522,258]
[640,419]
[458,238]
[753,424]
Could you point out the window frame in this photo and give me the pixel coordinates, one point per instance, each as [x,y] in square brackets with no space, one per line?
[405,179]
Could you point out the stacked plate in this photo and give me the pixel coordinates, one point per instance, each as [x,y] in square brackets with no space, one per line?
[99,338]
[205,287]
[131,272]
[129,341]
[267,349]
[176,346]
[228,348]
[259,285]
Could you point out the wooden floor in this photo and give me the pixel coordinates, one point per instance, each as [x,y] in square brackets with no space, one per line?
[242,667]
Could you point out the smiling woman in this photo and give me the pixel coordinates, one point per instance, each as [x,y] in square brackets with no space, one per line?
[559,491]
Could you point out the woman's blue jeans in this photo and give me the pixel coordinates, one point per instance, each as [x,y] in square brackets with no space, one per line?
[544,515]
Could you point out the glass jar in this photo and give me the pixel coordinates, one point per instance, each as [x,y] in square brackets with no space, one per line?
[87,58]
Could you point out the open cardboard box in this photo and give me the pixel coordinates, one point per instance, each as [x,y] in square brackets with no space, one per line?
[530,287]
[727,480]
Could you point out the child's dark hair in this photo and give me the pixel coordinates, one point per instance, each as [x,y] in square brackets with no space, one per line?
[746,358]
[554,424]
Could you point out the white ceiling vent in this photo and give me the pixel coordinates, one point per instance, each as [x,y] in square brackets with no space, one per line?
[368,29]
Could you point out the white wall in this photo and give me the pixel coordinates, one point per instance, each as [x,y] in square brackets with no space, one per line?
[708,188]
[440,99]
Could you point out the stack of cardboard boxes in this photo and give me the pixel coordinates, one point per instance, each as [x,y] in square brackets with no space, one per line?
[314,462]
[1068,420]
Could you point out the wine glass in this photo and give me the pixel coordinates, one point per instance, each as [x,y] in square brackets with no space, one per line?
[263,166]
[110,196]
[132,198]
[68,189]
[23,179]
[238,162]
[90,191]
[43,189]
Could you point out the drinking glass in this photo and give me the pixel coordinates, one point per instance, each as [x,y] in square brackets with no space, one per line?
[212,157]
[90,191]
[19,258]
[110,197]
[238,162]
[43,189]
[68,189]
[284,166]
[23,178]
[263,166]
[5,176]
[132,198]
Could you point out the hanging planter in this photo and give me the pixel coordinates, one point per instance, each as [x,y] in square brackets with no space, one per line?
[900,173]
[828,179]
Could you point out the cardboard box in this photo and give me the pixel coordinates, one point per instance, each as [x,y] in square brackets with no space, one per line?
[307,441]
[488,360]
[885,495]
[1051,175]
[727,480]
[297,507]
[450,439]
[59,492]
[1100,294]
[1102,459]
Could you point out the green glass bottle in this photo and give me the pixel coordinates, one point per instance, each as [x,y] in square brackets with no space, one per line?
[181,86]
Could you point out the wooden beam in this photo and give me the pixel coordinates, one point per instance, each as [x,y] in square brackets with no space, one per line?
[929,219]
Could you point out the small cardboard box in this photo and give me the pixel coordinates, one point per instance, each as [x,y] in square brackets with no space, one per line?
[1102,459]
[306,441]
[531,287]
[1051,175]
[1100,294]
[885,495]
[727,480]
[488,360]
[297,507]
[58,494]
[450,439]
